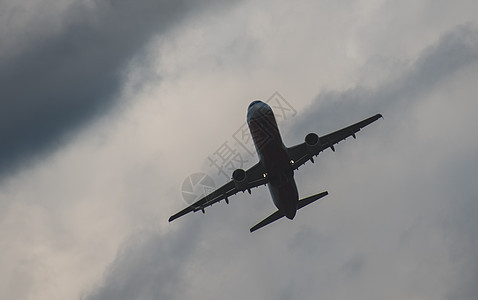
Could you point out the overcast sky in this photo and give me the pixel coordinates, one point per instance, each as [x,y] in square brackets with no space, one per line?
[107,106]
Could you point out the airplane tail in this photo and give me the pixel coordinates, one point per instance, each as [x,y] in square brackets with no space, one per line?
[277,215]
[310,199]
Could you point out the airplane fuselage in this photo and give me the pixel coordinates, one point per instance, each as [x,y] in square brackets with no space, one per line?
[274,157]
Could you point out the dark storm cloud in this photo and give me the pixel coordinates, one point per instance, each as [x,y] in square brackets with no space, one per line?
[62,80]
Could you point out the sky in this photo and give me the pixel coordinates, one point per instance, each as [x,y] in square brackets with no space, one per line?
[108,106]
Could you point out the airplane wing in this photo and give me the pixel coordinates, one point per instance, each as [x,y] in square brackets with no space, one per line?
[302,153]
[255,177]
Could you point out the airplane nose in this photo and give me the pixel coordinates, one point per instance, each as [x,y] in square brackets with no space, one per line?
[258,109]
[253,103]
[254,113]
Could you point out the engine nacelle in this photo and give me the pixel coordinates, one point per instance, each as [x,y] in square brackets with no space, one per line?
[312,141]
[240,179]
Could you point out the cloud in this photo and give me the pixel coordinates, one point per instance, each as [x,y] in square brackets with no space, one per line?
[395,238]
[149,266]
[438,62]
[424,158]
[71,73]
[399,220]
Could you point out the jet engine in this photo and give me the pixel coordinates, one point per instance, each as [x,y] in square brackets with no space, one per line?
[240,179]
[312,141]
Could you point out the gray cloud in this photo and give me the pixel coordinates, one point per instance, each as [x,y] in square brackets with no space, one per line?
[64,78]
[438,62]
[298,263]
[449,203]
[149,266]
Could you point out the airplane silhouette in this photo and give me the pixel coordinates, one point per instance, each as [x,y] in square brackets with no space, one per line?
[276,165]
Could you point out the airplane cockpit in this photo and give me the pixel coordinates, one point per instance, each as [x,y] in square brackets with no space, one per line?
[252,103]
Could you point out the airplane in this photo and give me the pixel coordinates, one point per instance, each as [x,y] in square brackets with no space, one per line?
[276,165]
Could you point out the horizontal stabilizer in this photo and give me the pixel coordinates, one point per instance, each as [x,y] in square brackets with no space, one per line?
[277,215]
[310,199]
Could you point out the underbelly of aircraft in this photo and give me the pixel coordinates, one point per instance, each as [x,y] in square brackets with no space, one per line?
[285,197]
